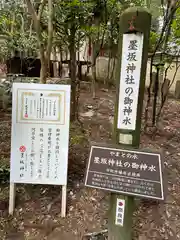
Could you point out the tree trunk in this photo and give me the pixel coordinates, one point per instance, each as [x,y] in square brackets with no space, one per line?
[72,52]
[60,64]
[12,29]
[94,57]
[45,51]
[50,36]
[95,53]
[43,71]
[55,67]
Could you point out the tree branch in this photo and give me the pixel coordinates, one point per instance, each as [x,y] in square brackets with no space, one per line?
[41,8]
[32,11]
[167,19]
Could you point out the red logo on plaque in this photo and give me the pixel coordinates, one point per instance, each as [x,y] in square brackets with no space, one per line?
[26,115]
[120,204]
[22,149]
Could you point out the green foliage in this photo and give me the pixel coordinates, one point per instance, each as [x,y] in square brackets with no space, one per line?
[153,41]
[78,139]
[71,16]
[77,135]
[95,19]
[155,8]
[15,31]
[176,28]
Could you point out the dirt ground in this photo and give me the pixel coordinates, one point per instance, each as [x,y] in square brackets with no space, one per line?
[37,214]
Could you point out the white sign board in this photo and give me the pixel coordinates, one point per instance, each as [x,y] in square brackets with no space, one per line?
[129,80]
[40,133]
[120,206]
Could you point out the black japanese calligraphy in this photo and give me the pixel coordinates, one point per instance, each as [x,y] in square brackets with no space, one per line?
[127,110]
[22,166]
[131,56]
[41,134]
[132,45]
[50,107]
[127,121]
[130,79]
[40,107]
[26,108]
[129,91]
[57,152]
[49,151]
[130,68]
[128,101]
[54,108]
[32,154]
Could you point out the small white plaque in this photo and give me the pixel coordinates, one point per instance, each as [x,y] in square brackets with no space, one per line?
[120,206]
[125,138]
[131,61]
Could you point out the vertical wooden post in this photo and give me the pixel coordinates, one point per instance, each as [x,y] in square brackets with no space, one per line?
[63,201]
[135,21]
[12,196]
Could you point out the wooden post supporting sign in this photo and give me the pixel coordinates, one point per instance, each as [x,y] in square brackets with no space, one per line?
[131,73]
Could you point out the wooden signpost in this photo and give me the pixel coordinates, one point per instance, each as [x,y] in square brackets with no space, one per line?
[40,137]
[125,177]
[131,74]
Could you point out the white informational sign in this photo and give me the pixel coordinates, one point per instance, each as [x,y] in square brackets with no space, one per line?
[40,133]
[120,206]
[131,61]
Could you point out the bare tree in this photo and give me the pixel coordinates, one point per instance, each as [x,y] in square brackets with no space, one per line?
[161,45]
